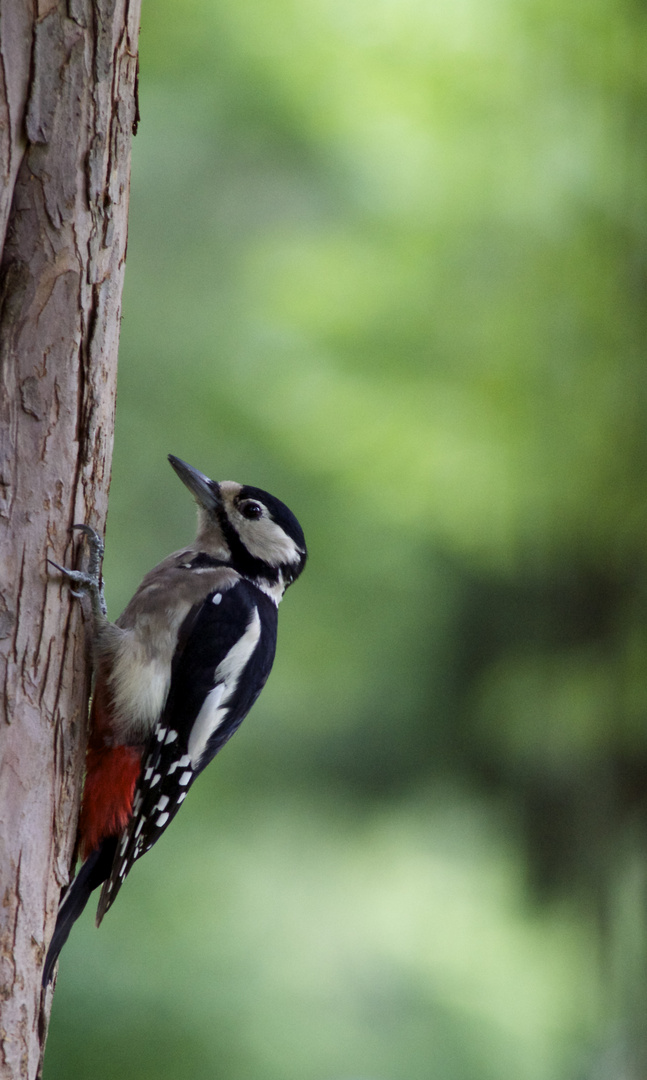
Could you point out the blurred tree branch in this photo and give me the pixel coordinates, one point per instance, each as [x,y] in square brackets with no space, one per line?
[68,73]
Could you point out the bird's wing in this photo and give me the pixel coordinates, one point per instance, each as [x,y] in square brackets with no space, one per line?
[220,639]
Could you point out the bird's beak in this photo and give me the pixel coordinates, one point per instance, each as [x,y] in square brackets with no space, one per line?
[205,491]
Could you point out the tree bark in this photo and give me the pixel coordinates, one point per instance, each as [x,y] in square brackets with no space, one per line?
[68,73]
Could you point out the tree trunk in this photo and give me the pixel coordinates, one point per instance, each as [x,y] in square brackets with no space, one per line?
[68,73]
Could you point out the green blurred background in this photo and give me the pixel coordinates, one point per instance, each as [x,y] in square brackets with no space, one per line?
[387,260]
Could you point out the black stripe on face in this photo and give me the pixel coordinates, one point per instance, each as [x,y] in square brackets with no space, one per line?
[249,565]
[279,513]
[241,559]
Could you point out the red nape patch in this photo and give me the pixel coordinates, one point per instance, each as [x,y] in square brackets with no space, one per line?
[112,772]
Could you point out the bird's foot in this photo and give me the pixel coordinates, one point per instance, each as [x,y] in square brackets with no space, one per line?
[88,582]
[97,548]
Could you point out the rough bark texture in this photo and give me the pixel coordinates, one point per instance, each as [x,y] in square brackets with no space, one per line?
[67,108]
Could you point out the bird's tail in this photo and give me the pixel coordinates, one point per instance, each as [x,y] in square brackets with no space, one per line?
[93,873]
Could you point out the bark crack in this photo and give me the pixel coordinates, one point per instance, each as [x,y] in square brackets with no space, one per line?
[15,919]
[21,584]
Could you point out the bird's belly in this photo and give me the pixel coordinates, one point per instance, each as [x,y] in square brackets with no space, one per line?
[139,686]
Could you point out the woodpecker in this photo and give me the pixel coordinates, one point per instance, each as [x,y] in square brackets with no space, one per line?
[174,676]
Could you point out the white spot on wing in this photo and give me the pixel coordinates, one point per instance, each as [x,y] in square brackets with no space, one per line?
[162,802]
[185,777]
[181,763]
[216,598]
[171,737]
[181,797]
[162,819]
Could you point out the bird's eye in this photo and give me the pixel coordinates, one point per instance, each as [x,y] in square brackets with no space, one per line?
[251,509]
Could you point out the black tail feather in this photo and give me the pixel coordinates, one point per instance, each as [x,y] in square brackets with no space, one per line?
[93,873]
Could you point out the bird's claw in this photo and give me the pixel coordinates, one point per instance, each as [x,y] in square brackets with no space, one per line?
[97,548]
[90,582]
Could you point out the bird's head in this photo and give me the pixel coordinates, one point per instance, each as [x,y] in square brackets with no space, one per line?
[248,528]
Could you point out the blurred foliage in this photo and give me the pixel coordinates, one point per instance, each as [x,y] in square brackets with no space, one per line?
[388,261]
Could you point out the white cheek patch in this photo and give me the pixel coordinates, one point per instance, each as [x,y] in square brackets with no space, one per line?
[214,707]
[266,540]
[262,537]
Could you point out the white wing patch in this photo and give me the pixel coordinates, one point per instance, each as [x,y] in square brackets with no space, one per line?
[229,669]
[205,724]
[227,674]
